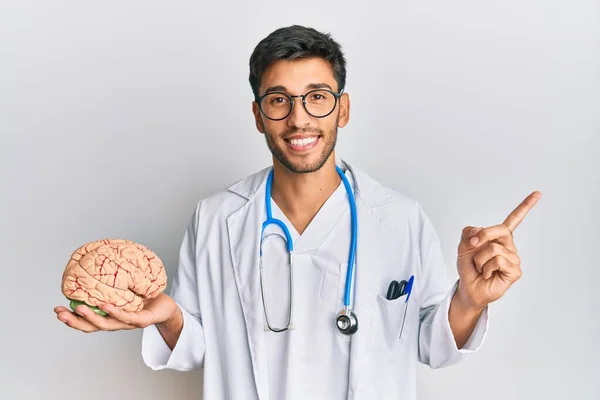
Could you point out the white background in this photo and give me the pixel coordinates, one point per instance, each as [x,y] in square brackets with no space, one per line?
[116,117]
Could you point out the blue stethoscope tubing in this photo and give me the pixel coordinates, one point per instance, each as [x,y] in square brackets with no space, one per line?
[347,312]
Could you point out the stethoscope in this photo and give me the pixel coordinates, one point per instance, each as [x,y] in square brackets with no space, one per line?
[346,320]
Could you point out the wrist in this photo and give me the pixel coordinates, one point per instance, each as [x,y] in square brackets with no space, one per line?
[171,328]
[176,317]
[466,303]
[463,315]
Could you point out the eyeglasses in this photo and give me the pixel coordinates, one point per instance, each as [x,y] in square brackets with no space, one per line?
[318,103]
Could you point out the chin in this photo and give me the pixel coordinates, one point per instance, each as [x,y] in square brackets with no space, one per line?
[304,165]
[302,154]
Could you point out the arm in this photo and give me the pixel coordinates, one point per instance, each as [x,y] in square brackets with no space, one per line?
[170,330]
[488,264]
[178,343]
[463,319]
[450,329]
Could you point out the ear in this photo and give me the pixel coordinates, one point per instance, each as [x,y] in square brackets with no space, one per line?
[344,110]
[258,117]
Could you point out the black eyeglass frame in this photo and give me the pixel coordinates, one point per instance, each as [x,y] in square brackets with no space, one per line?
[336,95]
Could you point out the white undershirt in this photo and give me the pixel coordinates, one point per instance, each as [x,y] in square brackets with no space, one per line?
[315,356]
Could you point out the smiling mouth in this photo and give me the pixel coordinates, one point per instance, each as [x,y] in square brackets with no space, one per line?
[302,144]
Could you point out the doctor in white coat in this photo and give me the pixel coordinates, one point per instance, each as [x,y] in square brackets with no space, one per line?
[263,328]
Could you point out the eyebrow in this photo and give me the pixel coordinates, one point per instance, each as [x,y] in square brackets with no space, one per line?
[311,86]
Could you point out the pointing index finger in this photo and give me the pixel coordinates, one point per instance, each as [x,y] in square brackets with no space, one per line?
[518,214]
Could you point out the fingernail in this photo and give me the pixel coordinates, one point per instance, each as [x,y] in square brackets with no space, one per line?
[474,240]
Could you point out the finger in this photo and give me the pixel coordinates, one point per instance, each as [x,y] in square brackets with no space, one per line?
[104,323]
[507,269]
[518,214]
[499,233]
[491,250]
[74,321]
[60,309]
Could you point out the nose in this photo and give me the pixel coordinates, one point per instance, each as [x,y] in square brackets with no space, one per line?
[298,116]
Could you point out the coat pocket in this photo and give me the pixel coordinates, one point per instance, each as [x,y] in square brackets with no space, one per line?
[391,325]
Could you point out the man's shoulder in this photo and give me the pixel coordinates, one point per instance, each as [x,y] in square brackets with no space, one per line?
[390,204]
[378,193]
[233,196]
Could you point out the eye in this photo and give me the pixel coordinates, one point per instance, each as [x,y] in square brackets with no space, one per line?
[319,97]
[278,99]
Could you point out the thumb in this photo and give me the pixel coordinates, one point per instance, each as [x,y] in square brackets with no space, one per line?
[467,233]
[133,319]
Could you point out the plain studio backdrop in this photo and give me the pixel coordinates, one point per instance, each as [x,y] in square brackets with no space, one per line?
[117,117]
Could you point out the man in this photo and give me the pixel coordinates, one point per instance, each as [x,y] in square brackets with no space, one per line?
[264,330]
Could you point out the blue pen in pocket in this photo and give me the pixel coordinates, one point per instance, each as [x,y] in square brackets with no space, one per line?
[409,286]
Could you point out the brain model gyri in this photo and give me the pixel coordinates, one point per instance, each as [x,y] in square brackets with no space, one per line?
[116,271]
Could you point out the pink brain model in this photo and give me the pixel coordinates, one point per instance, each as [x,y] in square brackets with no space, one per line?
[116,271]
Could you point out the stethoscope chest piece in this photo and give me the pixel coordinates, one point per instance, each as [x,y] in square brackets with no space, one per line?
[346,322]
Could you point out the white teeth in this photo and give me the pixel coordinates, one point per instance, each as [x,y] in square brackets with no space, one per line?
[303,142]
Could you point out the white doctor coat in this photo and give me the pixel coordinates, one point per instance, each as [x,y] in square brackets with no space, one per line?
[217,287]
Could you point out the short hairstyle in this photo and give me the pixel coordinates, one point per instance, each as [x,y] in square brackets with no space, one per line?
[293,43]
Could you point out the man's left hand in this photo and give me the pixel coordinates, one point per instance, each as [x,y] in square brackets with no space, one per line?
[488,263]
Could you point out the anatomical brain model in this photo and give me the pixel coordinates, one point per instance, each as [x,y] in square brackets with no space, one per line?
[115,271]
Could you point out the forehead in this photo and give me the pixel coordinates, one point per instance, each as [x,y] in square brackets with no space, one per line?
[296,75]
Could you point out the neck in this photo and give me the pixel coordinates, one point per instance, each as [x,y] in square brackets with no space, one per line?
[300,196]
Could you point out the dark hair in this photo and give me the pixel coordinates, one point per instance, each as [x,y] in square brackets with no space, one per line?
[293,43]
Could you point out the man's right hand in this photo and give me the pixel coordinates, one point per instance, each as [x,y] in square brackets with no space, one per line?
[159,310]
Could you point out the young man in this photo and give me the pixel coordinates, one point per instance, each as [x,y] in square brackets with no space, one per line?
[265,324]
